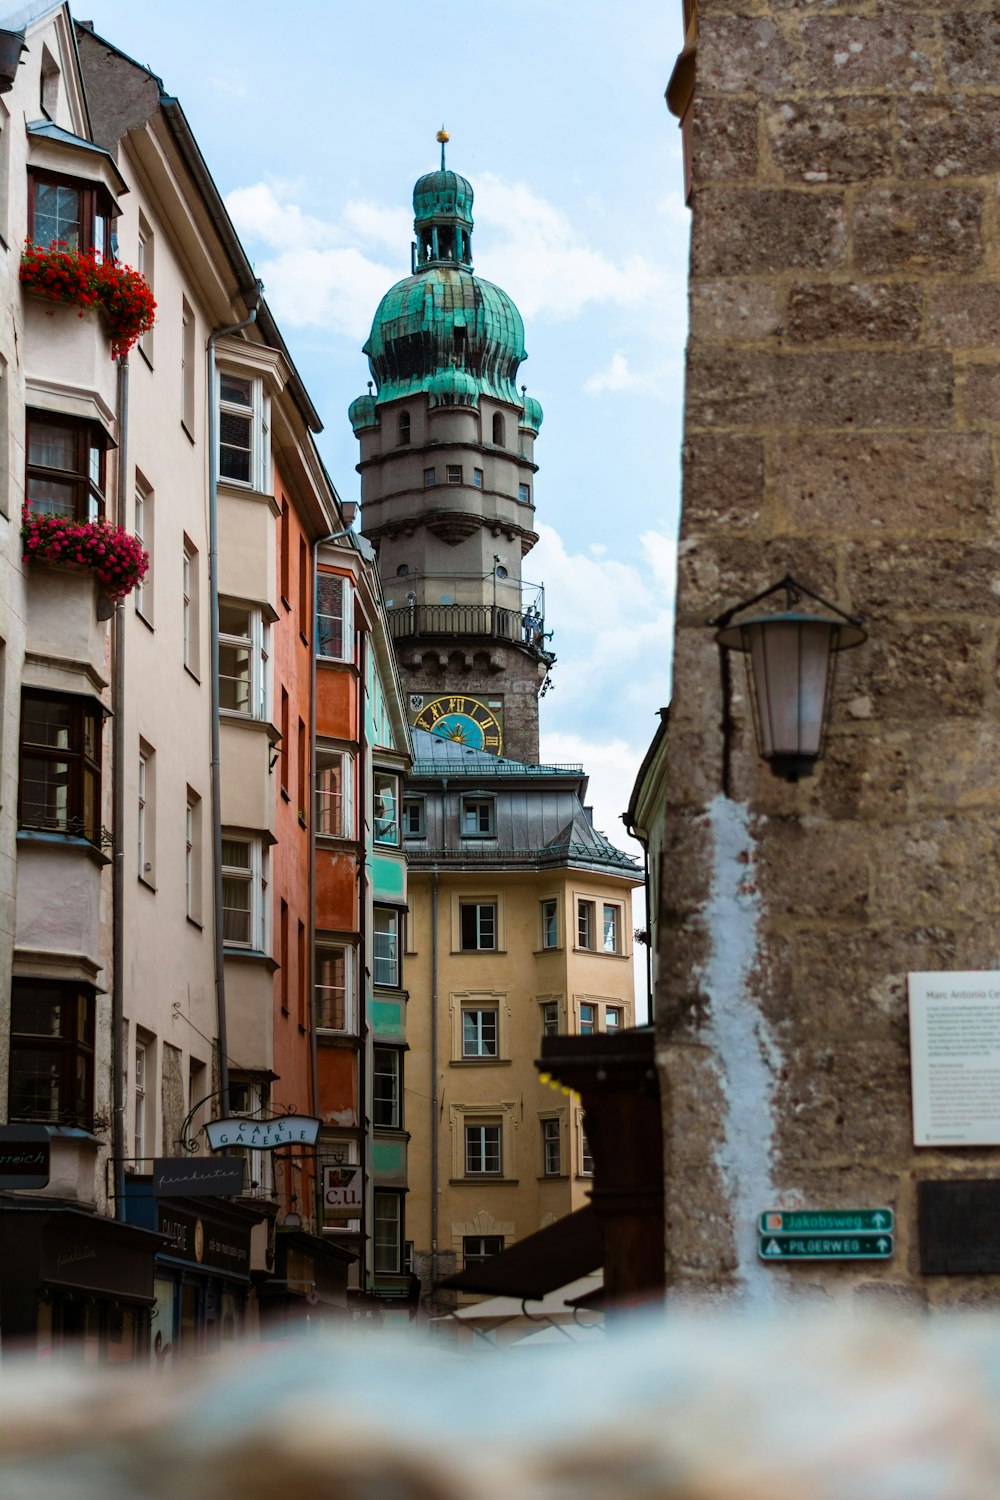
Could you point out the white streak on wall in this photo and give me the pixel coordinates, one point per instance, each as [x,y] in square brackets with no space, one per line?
[743,1045]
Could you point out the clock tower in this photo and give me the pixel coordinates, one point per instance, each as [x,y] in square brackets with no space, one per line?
[448,486]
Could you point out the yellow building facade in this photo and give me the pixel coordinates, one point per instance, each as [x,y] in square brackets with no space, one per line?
[520,926]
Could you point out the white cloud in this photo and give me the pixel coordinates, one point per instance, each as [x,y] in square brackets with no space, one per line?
[619,376]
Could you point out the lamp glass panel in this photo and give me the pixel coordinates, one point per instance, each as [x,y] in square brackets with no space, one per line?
[790,661]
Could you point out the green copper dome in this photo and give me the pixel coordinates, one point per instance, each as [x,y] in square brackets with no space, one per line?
[361,413]
[442,319]
[442,195]
[532,418]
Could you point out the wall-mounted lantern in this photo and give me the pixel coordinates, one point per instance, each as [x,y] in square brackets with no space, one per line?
[790,661]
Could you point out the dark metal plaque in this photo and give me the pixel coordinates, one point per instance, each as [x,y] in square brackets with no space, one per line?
[24,1156]
[197,1177]
[959,1226]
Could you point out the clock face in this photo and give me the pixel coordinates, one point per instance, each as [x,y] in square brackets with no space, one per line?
[467,721]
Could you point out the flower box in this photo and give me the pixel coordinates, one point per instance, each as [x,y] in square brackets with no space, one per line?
[113,554]
[80,278]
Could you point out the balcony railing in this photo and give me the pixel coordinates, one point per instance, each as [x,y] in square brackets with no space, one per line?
[491,620]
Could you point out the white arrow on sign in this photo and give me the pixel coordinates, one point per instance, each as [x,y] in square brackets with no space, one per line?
[878,1220]
[883,1244]
[773,1248]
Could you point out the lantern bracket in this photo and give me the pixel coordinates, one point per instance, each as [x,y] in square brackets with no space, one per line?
[795,592]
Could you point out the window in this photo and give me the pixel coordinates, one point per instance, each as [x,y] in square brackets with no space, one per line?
[482,1150]
[304,588]
[524,494]
[585,924]
[408,1257]
[285,559]
[145,264]
[283,953]
[250,1096]
[386,1088]
[60,787]
[478,925]
[612,1018]
[187,367]
[147,813]
[68,210]
[334,620]
[242,660]
[550,924]
[141,1133]
[334,1000]
[333,813]
[244,885]
[454,473]
[283,723]
[404,427]
[243,455]
[430,478]
[550,1018]
[414,825]
[479,1033]
[588,1019]
[143,591]
[498,430]
[302,978]
[385,947]
[51,1074]
[303,757]
[551,1148]
[477,478]
[478,817]
[192,855]
[192,621]
[479,1247]
[387,1208]
[611,929]
[49,85]
[586,1159]
[386,790]
[66,467]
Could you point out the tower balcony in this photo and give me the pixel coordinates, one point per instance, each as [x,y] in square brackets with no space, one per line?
[483,621]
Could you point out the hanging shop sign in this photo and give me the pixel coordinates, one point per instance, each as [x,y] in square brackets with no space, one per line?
[193,1177]
[341,1192]
[262,1135]
[24,1157]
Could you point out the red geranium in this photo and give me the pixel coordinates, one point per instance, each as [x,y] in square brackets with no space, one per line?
[85,280]
[113,553]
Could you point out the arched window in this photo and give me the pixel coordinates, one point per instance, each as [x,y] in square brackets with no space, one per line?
[404,427]
[498,429]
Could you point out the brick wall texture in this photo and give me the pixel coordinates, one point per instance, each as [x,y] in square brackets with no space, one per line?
[842,422]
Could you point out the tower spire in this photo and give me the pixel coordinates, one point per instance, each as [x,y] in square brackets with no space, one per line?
[444,138]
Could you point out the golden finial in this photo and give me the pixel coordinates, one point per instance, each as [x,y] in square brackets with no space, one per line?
[443,137]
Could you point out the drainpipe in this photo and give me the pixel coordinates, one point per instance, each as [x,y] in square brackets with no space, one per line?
[363,1027]
[118,1074]
[334,536]
[213,610]
[434,1080]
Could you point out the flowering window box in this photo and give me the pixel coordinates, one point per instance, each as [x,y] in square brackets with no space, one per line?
[83,279]
[113,554]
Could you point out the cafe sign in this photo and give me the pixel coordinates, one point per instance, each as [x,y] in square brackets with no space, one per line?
[341,1192]
[262,1135]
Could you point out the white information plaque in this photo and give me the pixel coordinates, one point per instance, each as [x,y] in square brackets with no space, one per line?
[955,1058]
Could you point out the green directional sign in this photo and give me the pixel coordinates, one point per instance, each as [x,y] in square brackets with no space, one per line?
[776,1247]
[827,1221]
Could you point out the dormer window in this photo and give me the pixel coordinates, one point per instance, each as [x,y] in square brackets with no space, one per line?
[67,210]
[498,430]
[404,427]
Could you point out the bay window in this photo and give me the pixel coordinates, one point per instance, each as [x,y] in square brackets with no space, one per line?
[244,886]
[333,991]
[334,620]
[69,212]
[334,813]
[60,774]
[51,1072]
[385,947]
[243,434]
[242,659]
[66,461]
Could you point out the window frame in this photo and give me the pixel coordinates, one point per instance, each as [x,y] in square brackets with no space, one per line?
[612,1027]
[324,1011]
[389,1265]
[419,806]
[385,824]
[477,479]
[334,807]
[391,1099]
[550,923]
[453,474]
[614,909]
[472,1257]
[475,1042]
[144,517]
[552,1145]
[73,1044]
[253,875]
[524,494]
[482,810]
[393,933]
[430,479]
[483,1141]
[477,926]
[550,1017]
[94,210]
[86,481]
[255,646]
[255,413]
[340,631]
[190,597]
[586,924]
[588,1018]
[80,764]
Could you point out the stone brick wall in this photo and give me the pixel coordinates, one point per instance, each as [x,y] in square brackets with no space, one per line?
[842,422]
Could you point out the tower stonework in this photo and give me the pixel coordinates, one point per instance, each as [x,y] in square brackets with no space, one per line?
[447,486]
[841,424]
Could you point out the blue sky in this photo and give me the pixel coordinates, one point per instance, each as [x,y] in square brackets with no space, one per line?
[316,119]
